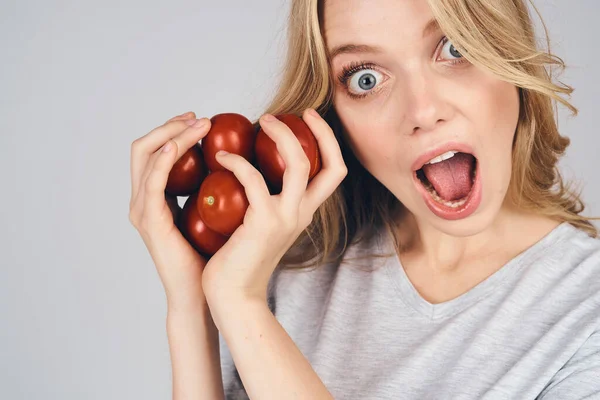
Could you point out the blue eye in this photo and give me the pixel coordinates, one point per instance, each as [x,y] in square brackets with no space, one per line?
[359,79]
[364,81]
[449,48]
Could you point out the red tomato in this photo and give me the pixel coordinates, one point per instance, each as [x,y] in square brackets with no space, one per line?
[187,173]
[200,236]
[230,132]
[222,202]
[269,160]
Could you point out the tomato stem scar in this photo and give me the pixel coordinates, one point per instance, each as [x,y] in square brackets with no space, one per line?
[210,200]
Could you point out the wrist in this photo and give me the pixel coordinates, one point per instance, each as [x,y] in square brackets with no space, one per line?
[177,318]
[227,306]
[180,305]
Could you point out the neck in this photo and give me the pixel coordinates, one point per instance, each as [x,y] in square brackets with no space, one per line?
[510,233]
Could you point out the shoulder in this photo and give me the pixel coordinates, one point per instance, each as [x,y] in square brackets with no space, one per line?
[567,268]
[577,248]
[568,246]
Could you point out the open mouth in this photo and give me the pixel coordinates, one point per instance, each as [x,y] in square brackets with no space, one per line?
[453,179]
[450,184]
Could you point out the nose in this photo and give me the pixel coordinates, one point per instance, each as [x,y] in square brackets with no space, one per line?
[426,106]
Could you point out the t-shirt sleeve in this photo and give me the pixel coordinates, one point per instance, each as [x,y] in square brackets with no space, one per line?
[579,378]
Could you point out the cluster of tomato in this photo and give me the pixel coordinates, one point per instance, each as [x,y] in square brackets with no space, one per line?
[217,201]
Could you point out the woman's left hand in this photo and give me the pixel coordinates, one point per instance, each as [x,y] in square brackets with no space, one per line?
[241,269]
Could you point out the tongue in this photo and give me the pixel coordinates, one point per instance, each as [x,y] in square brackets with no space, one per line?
[451,178]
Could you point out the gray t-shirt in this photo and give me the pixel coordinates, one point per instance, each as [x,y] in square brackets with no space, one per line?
[529,331]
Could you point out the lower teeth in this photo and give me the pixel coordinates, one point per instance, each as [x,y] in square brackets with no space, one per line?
[452,204]
[436,197]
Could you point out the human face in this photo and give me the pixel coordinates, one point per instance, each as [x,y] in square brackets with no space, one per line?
[421,99]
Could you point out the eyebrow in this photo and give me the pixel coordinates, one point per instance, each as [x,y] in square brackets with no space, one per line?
[431,27]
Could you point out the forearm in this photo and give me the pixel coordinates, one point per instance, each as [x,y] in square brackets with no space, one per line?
[269,363]
[195,357]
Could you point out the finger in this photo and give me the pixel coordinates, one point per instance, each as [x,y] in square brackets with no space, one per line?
[135,190]
[156,138]
[333,169]
[254,184]
[144,147]
[189,114]
[184,141]
[141,150]
[297,166]
[154,186]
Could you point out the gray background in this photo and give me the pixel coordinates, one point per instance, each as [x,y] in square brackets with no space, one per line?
[82,311]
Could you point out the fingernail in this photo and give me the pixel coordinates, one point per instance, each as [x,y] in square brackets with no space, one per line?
[222,153]
[200,123]
[268,117]
[196,123]
[166,147]
[186,114]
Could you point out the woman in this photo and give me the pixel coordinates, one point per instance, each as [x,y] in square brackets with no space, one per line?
[438,253]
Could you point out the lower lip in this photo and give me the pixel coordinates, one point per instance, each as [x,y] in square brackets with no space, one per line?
[449,213]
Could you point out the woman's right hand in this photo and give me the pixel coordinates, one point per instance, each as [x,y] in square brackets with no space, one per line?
[151,212]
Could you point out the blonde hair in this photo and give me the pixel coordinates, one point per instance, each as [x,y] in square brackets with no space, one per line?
[496,36]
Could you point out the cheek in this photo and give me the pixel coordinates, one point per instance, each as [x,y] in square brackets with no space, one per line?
[495,121]
[498,119]
[369,136]
[493,105]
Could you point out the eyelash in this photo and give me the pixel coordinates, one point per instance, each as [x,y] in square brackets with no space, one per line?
[349,70]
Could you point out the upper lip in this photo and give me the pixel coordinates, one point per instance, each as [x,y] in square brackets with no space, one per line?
[429,154]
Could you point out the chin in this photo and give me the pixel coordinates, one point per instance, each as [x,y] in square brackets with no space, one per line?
[476,213]
[478,220]
[474,224]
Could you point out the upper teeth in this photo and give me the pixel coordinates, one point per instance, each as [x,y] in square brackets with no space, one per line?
[442,157]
